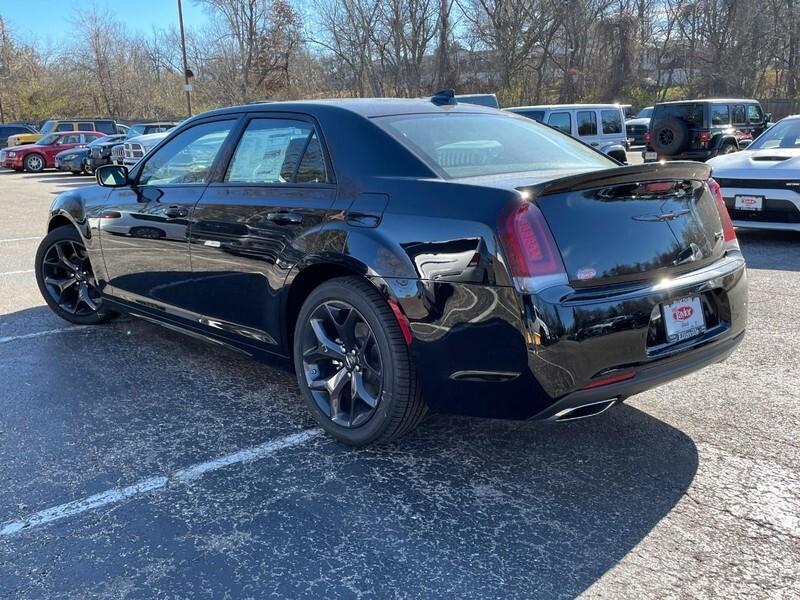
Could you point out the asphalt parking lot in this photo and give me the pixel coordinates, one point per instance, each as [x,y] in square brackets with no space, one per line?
[137,463]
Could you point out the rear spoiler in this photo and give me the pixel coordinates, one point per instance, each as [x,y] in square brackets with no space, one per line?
[684,169]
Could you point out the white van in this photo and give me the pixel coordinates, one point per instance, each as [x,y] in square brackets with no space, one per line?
[601,126]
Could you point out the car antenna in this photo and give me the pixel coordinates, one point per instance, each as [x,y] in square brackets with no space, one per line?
[443,97]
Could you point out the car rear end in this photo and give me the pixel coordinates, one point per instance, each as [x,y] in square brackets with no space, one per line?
[628,278]
[679,131]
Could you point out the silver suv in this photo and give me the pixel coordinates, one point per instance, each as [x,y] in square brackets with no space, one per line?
[599,125]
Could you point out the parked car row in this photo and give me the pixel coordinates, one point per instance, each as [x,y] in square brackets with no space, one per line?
[68,145]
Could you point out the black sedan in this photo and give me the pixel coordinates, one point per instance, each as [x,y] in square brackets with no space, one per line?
[79,160]
[407,256]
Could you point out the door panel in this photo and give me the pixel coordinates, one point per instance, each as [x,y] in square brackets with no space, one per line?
[144,228]
[250,230]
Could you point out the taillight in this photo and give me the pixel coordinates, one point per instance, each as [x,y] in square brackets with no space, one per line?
[647,137]
[531,252]
[728,233]
[705,136]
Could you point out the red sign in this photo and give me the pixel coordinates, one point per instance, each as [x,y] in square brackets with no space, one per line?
[682,312]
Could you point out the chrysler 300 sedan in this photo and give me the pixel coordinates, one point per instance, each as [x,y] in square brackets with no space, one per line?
[409,256]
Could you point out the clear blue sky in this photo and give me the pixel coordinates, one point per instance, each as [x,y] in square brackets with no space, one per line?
[49,20]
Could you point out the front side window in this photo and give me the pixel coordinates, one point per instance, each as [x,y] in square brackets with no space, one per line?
[471,145]
[720,114]
[85,126]
[612,122]
[536,115]
[561,121]
[754,114]
[70,139]
[64,127]
[587,122]
[187,158]
[277,151]
[785,134]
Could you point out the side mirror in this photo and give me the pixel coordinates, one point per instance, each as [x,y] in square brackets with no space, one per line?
[767,117]
[744,144]
[112,175]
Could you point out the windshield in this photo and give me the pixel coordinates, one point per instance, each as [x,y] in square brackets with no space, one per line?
[471,145]
[48,127]
[134,130]
[784,134]
[48,139]
[645,113]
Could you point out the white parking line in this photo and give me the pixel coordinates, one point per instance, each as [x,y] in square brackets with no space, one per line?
[20,239]
[16,272]
[27,336]
[151,484]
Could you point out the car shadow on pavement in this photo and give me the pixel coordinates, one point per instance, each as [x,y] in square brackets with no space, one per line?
[460,508]
[778,250]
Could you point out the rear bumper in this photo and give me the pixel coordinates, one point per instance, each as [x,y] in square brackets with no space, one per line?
[491,352]
[699,155]
[647,377]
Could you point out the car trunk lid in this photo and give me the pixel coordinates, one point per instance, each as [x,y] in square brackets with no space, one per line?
[639,222]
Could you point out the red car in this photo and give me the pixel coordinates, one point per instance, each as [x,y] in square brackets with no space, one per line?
[39,156]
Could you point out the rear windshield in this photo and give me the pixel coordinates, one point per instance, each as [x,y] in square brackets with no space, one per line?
[471,145]
[691,114]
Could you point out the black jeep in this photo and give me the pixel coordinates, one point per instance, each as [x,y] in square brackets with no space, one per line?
[702,129]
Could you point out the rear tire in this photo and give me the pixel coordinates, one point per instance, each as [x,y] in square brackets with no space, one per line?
[353,365]
[66,279]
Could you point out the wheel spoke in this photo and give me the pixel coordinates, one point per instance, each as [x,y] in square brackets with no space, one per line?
[85,298]
[62,284]
[326,347]
[335,386]
[358,390]
[62,258]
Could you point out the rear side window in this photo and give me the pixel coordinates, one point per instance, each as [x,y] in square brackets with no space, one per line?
[612,122]
[536,115]
[64,127]
[107,127]
[471,145]
[86,127]
[561,121]
[754,114]
[691,114]
[587,122]
[738,114]
[277,151]
[720,114]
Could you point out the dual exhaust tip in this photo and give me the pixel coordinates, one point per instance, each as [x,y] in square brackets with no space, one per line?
[583,411]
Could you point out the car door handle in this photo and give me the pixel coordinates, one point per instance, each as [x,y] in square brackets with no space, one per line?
[285,217]
[595,144]
[175,212]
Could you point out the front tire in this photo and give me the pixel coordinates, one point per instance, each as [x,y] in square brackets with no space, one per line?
[35,163]
[353,365]
[66,279]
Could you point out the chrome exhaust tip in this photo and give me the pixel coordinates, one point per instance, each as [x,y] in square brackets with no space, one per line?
[583,411]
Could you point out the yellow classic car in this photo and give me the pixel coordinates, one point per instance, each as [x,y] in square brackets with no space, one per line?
[107,126]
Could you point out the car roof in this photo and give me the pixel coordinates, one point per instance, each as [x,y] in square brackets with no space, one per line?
[711,101]
[366,107]
[152,123]
[564,107]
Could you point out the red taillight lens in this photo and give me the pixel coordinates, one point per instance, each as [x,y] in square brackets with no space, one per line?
[728,232]
[705,136]
[531,252]
[647,137]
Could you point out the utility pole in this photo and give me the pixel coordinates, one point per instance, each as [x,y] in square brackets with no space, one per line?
[187,87]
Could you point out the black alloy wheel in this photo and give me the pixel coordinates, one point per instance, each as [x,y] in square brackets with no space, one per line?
[342,363]
[66,279]
[354,365]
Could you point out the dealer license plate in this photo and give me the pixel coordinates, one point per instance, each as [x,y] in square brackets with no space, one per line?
[749,203]
[684,319]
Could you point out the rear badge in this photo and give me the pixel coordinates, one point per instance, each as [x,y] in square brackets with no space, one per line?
[587,273]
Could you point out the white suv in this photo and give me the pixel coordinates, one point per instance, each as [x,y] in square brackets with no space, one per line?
[602,126]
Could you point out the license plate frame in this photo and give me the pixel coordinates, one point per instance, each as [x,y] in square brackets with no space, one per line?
[651,155]
[683,318]
[748,202]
